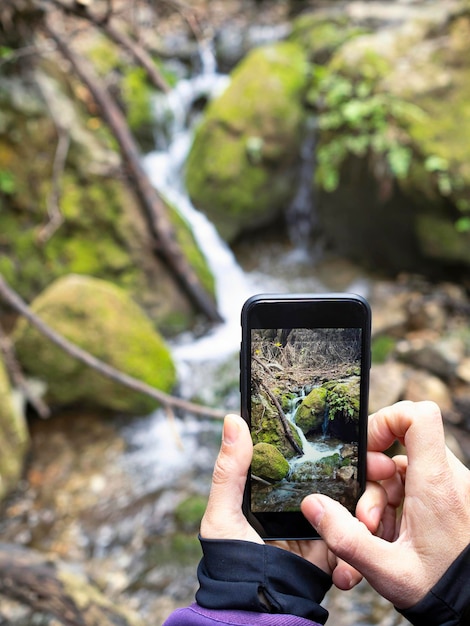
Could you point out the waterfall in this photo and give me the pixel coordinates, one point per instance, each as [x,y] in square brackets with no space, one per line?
[164,167]
[312,450]
[300,215]
[326,420]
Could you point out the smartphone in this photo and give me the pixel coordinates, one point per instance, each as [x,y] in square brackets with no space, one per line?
[304,382]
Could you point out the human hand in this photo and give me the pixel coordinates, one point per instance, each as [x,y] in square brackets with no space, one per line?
[426,523]
[224,518]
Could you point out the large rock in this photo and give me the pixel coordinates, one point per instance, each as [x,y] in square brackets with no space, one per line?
[400,156]
[268,463]
[101,230]
[13,437]
[102,319]
[242,164]
[310,415]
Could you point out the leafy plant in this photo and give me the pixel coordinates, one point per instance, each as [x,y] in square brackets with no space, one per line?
[342,404]
[355,118]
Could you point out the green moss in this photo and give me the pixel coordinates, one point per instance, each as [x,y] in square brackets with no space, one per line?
[230,178]
[382,348]
[268,463]
[191,250]
[103,54]
[100,318]
[13,437]
[136,93]
[321,36]
[189,513]
[439,239]
[309,415]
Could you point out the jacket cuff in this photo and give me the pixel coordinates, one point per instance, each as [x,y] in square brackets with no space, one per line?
[448,602]
[249,576]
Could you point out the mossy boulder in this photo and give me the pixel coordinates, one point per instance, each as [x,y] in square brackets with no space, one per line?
[311,412]
[13,437]
[102,319]
[268,463]
[242,165]
[101,230]
[392,160]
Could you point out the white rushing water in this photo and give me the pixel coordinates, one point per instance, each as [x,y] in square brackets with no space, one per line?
[165,169]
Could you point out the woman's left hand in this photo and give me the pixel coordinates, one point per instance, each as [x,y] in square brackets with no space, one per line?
[224,518]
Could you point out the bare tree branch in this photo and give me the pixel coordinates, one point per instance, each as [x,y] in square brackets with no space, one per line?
[53,209]
[122,39]
[163,232]
[282,417]
[16,302]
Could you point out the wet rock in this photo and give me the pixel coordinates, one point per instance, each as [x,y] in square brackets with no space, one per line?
[310,414]
[463,370]
[387,384]
[255,129]
[422,385]
[103,320]
[425,349]
[346,474]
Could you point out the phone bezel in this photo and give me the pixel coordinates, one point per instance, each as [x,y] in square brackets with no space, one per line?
[332,310]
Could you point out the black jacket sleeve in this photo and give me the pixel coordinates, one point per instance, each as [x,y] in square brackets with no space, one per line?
[448,602]
[255,577]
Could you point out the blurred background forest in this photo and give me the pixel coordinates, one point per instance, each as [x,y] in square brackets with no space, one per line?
[161,161]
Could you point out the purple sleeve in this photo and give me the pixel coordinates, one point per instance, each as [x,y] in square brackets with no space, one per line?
[196,615]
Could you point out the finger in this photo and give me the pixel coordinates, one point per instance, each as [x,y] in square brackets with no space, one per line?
[371,506]
[415,424]
[381,562]
[379,466]
[345,576]
[224,517]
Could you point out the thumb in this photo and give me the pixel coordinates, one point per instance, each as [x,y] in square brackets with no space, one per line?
[224,518]
[349,539]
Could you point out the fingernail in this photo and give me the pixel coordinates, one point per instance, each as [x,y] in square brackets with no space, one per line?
[375,514]
[231,430]
[316,510]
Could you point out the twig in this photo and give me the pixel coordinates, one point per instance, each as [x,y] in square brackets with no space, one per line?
[53,209]
[139,53]
[17,377]
[283,418]
[15,301]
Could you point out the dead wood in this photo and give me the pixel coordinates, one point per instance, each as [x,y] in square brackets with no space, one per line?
[16,302]
[165,242]
[282,417]
[138,52]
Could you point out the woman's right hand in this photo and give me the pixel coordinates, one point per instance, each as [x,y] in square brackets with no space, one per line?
[426,523]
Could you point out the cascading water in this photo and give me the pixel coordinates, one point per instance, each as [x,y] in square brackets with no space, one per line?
[165,169]
[313,450]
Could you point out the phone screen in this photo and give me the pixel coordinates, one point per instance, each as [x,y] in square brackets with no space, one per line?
[307,405]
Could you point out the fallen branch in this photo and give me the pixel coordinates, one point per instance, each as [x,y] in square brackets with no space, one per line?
[122,39]
[283,418]
[16,302]
[166,244]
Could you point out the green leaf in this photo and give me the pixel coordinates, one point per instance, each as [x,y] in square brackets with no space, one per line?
[399,159]
[7,183]
[462,225]
[435,163]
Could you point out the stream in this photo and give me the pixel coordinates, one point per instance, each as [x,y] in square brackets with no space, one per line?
[102,492]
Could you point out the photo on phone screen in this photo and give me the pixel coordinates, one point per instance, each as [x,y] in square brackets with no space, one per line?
[307,406]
